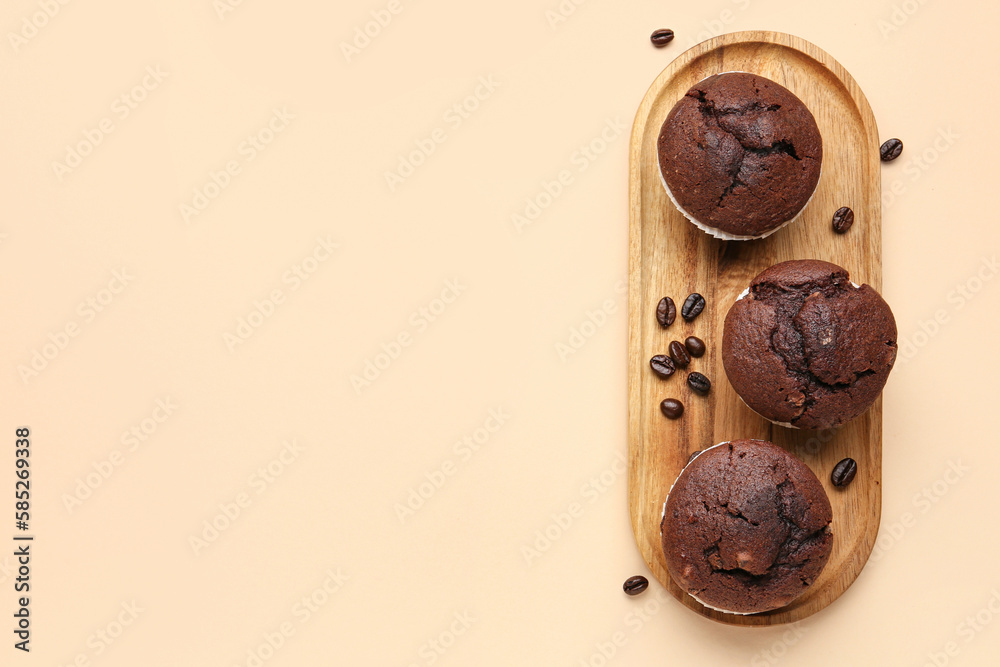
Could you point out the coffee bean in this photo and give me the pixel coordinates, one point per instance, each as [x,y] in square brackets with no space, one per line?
[635,585]
[662,365]
[692,457]
[679,354]
[699,383]
[666,312]
[844,472]
[671,408]
[890,150]
[843,219]
[661,37]
[692,307]
[695,346]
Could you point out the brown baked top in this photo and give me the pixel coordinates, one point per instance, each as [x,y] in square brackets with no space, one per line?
[807,347]
[740,153]
[745,528]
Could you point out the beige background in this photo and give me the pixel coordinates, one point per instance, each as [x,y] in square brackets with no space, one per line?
[457,573]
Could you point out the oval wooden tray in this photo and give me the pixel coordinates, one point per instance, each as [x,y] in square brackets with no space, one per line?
[668,256]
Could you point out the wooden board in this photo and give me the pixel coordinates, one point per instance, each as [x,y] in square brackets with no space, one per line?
[668,256]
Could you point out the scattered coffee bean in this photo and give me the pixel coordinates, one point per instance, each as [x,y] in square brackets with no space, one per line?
[843,219]
[679,354]
[635,585]
[661,37]
[666,312]
[844,472]
[691,458]
[692,307]
[699,383]
[695,346]
[662,365]
[671,408]
[891,149]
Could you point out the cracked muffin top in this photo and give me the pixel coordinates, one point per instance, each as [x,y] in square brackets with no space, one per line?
[806,347]
[740,155]
[745,528]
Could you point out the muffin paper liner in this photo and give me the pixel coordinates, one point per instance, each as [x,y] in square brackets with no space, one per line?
[712,231]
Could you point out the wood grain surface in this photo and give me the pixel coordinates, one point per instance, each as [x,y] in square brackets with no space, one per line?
[668,256]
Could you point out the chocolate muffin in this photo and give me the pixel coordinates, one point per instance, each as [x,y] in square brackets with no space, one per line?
[740,155]
[806,347]
[745,528]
